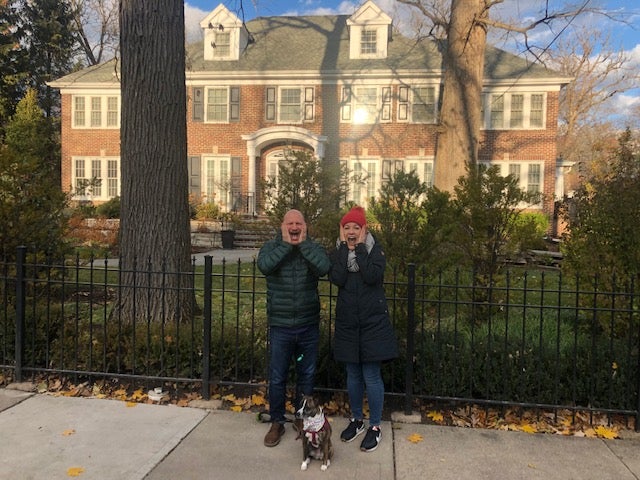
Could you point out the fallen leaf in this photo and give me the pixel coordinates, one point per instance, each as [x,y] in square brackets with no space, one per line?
[258,399]
[68,432]
[75,471]
[131,404]
[528,428]
[604,432]
[435,416]
[138,395]
[415,438]
[236,408]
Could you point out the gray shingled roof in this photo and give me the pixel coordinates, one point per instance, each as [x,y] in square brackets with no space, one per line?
[321,44]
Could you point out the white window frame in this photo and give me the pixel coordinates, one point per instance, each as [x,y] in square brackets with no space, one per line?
[359,107]
[209,107]
[286,106]
[502,112]
[368,42]
[216,180]
[95,111]
[369,171]
[222,45]
[86,168]
[423,168]
[409,97]
[525,172]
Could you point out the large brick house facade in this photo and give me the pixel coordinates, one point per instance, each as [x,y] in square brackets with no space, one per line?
[344,88]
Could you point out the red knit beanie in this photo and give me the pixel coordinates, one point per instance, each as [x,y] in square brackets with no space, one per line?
[356,215]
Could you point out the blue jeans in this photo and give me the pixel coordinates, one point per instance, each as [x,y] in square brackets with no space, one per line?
[361,376]
[299,344]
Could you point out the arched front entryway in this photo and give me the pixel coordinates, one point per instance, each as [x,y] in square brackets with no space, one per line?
[280,135]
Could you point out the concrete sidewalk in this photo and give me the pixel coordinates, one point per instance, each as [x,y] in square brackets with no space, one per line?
[43,436]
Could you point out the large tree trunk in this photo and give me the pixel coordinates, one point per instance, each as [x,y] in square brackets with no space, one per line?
[154,226]
[460,120]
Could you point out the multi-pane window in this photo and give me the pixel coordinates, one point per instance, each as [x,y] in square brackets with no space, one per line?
[218,180]
[113,112]
[514,169]
[96,112]
[368,41]
[365,104]
[290,105]
[96,173]
[517,111]
[112,178]
[79,111]
[222,45]
[363,180]
[497,111]
[96,178]
[217,105]
[536,119]
[514,110]
[534,176]
[418,104]
[527,174]
[371,180]
[423,105]
[423,170]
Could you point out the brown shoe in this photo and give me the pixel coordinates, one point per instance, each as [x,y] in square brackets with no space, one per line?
[272,438]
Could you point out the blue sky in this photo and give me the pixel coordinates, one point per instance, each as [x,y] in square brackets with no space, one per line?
[623,34]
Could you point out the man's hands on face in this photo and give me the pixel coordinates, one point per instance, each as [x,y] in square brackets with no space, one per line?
[294,232]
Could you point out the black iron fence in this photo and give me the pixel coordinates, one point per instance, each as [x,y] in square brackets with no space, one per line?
[522,338]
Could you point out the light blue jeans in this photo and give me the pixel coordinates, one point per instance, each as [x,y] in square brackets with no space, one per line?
[365,376]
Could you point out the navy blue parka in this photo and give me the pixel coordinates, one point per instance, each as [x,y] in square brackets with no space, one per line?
[363,331]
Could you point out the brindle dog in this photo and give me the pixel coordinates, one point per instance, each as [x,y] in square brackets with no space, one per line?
[316,434]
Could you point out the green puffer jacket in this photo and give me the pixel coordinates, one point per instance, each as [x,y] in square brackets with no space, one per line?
[292,273]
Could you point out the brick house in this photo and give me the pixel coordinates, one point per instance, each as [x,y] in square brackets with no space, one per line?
[345,88]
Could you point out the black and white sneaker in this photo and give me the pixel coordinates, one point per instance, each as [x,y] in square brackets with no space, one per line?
[355,428]
[371,439]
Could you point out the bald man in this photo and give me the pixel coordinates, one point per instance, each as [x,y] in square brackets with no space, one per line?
[292,264]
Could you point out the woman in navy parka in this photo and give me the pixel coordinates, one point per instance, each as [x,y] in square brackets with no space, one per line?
[364,337]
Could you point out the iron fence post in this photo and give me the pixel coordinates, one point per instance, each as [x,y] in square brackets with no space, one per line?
[411,298]
[20,309]
[206,338]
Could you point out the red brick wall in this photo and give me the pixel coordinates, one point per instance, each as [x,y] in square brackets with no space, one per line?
[388,140]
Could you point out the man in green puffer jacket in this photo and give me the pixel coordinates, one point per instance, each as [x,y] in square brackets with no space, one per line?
[292,264]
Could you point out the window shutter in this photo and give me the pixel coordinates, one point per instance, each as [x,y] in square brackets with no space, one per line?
[308,103]
[270,104]
[386,104]
[403,104]
[346,104]
[234,104]
[194,176]
[198,104]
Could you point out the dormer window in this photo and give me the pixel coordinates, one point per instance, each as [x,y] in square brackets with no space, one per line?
[224,35]
[369,29]
[222,45]
[368,42]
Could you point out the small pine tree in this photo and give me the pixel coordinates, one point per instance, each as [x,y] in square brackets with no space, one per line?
[311,186]
[31,203]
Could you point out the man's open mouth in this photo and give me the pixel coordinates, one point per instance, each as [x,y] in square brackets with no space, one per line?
[294,235]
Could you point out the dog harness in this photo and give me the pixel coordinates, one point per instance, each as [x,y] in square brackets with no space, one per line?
[312,426]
